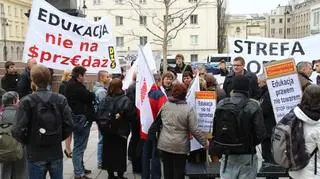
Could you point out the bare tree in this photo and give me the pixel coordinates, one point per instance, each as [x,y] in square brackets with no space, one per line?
[174,20]
[221,19]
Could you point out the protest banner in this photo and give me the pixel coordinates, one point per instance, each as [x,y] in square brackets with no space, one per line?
[60,41]
[205,108]
[257,50]
[284,86]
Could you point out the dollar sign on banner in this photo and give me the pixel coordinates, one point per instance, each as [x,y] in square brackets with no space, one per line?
[34,51]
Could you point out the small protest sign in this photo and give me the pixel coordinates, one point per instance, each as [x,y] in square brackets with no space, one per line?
[205,108]
[284,86]
[61,41]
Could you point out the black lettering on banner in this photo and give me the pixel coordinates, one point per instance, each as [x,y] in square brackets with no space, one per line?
[53,17]
[273,47]
[261,47]
[297,48]
[257,64]
[63,25]
[284,48]
[239,46]
[249,45]
[76,28]
[42,13]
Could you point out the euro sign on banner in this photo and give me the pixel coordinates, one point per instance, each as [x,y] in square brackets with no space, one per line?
[60,41]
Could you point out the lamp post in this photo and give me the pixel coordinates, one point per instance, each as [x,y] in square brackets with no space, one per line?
[84,7]
[285,24]
[5,49]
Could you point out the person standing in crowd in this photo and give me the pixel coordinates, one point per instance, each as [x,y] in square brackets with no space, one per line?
[187,78]
[10,80]
[100,91]
[24,83]
[44,150]
[51,79]
[315,77]
[244,162]
[114,155]
[269,121]
[181,67]
[309,112]
[2,91]
[238,69]
[212,85]
[135,145]
[304,72]
[223,68]
[177,119]
[16,169]
[81,102]
[202,71]
[167,80]
[66,76]
[151,166]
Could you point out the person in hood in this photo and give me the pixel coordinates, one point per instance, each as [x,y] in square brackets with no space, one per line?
[309,112]
[304,72]
[10,80]
[100,90]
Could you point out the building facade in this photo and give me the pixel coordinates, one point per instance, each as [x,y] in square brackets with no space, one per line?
[14,24]
[196,40]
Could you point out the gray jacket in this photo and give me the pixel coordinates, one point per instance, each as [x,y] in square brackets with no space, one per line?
[100,91]
[178,120]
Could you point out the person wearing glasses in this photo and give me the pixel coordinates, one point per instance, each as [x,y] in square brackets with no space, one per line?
[238,69]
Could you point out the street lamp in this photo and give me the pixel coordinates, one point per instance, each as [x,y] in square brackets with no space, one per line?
[5,49]
[84,7]
[285,24]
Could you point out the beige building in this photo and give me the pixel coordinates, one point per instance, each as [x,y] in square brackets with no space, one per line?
[246,26]
[13,28]
[195,41]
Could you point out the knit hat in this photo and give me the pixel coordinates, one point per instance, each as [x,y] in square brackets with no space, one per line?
[240,83]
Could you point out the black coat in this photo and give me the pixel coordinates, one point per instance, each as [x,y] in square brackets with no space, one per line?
[266,106]
[10,82]
[184,68]
[24,84]
[115,145]
[254,90]
[62,88]
[80,99]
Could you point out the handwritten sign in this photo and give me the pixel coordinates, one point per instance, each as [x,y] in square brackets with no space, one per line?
[205,108]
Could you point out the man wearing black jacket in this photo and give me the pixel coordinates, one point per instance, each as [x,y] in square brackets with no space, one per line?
[24,83]
[238,70]
[81,101]
[181,67]
[44,150]
[10,80]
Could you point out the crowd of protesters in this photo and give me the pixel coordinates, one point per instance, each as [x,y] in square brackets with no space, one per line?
[75,108]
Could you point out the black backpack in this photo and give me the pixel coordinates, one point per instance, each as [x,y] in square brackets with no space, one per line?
[106,116]
[46,124]
[232,134]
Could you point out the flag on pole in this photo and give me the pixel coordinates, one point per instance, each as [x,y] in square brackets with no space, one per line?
[144,82]
[128,78]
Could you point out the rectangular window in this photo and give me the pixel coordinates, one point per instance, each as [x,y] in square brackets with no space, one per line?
[194,19]
[194,57]
[119,41]
[316,17]
[97,18]
[119,20]
[288,20]
[22,30]
[1,9]
[142,1]
[273,21]
[15,12]
[17,31]
[194,39]
[193,1]
[9,10]
[288,31]
[273,31]
[280,20]
[119,1]
[143,40]
[280,31]
[96,2]
[21,12]
[143,20]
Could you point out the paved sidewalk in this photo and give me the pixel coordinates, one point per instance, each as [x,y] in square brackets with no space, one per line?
[90,160]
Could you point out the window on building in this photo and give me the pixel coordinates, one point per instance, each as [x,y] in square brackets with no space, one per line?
[193,1]
[143,1]
[280,20]
[97,18]
[10,30]
[96,2]
[9,10]
[119,20]
[1,8]
[288,20]
[119,41]
[119,1]
[273,21]
[22,30]
[194,57]
[21,12]
[17,31]
[280,31]
[273,31]
[194,19]
[194,39]
[143,20]
[316,18]
[143,40]
[288,31]
[15,12]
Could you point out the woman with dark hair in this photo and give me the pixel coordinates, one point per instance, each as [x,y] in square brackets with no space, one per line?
[177,120]
[212,85]
[167,80]
[114,155]
[308,111]
[187,78]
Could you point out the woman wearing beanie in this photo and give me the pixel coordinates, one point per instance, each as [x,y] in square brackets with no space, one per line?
[177,120]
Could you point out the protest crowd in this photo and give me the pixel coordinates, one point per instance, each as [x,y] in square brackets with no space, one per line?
[39,120]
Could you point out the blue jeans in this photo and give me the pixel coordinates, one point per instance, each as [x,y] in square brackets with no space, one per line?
[100,149]
[38,170]
[151,166]
[239,167]
[80,141]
